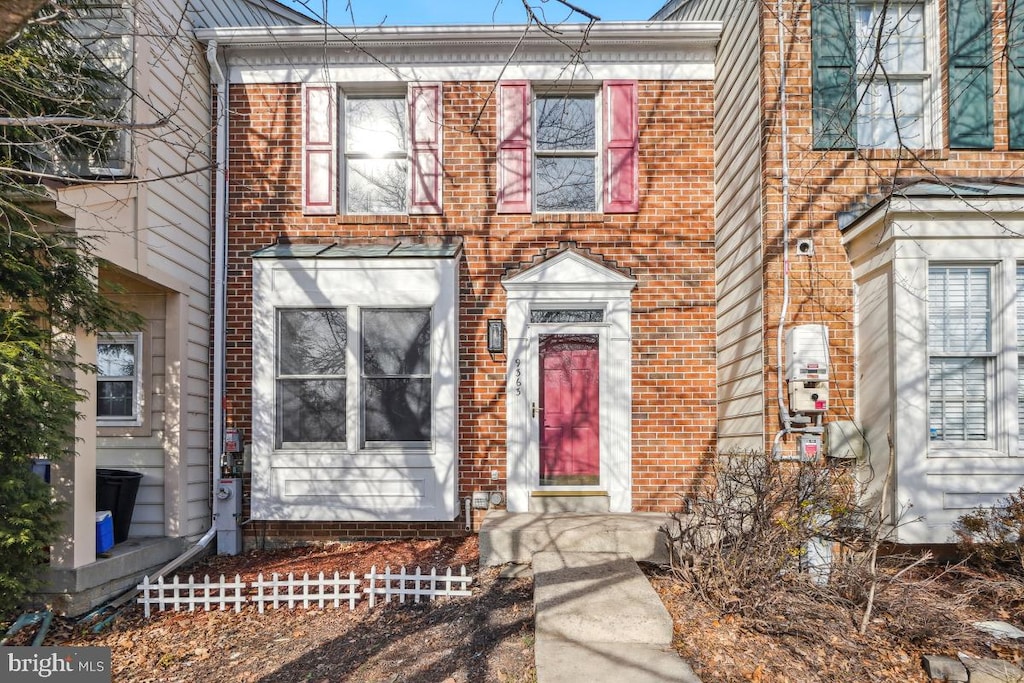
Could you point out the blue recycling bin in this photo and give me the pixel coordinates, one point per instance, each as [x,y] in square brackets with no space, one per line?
[116,491]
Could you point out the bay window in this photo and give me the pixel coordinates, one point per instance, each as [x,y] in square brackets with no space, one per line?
[354,381]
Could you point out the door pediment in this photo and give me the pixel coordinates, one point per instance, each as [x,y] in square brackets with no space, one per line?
[569,269]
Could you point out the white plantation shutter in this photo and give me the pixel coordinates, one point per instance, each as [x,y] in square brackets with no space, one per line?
[959,346]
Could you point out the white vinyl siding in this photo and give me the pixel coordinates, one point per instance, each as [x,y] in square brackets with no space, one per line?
[959,348]
[739,260]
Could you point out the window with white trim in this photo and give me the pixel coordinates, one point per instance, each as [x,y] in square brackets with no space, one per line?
[376,168]
[119,379]
[893,74]
[960,356]
[568,150]
[566,173]
[105,32]
[393,387]
[396,382]
[310,383]
[1020,359]
[389,145]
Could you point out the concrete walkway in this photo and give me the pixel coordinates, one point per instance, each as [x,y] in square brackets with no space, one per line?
[597,617]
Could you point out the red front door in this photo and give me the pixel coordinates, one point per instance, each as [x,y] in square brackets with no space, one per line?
[569,405]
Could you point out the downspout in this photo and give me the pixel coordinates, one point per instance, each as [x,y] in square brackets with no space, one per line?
[218,76]
[784,416]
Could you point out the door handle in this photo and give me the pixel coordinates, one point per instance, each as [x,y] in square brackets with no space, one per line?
[534,409]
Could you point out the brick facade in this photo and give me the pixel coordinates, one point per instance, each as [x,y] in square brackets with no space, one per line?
[823,183]
[668,247]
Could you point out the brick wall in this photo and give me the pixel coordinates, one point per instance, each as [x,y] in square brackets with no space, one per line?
[668,247]
[823,183]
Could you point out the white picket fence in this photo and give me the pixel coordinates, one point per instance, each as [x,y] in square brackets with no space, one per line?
[319,591]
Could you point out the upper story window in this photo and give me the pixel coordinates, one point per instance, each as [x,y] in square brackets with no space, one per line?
[568,151]
[105,35]
[565,153]
[376,147]
[118,379]
[874,75]
[390,148]
[894,81]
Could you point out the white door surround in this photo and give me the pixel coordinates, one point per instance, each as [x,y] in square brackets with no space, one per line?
[569,281]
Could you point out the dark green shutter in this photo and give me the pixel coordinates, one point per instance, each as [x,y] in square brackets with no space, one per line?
[834,84]
[970,73]
[1015,71]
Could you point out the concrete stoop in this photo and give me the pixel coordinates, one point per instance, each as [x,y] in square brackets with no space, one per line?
[598,619]
[515,537]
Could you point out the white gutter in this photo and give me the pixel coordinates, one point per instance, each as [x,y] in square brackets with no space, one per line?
[671,33]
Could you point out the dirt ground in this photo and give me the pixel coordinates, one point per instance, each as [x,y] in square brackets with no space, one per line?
[486,637]
[489,636]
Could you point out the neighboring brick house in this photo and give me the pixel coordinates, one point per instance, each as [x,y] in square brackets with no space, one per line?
[467,260]
[869,179]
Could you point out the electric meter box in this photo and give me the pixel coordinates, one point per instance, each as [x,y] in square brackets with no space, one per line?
[808,397]
[807,353]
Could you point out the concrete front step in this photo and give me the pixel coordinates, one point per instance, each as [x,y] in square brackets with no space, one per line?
[515,537]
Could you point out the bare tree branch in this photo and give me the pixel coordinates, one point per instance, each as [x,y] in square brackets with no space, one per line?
[76,121]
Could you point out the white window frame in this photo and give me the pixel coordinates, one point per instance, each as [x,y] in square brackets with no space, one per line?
[135,419]
[544,93]
[344,97]
[930,79]
[988,356]
[352,481]
[125,62]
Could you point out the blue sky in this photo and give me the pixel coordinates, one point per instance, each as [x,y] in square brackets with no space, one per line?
[422,12]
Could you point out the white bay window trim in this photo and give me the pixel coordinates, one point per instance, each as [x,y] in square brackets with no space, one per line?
[354,480]
[928,484]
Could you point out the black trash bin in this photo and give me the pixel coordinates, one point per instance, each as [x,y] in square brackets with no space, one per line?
[116,491]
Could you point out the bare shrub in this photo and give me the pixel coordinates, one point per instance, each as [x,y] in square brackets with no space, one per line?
[992,538]
[749,532]
[788,546]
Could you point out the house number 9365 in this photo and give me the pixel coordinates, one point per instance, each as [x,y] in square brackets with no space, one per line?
[517,378]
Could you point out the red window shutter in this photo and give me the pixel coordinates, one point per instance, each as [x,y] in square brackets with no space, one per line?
[425,153]
[319,149]
[622,147]
[514,152]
